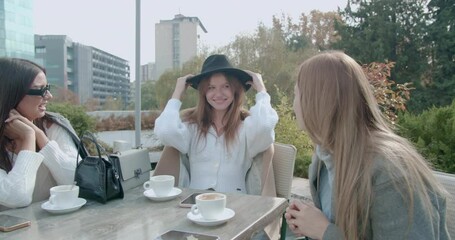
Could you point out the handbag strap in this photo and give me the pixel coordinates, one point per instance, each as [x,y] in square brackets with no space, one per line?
[89,136]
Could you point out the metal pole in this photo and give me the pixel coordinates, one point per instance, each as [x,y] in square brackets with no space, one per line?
[137,105]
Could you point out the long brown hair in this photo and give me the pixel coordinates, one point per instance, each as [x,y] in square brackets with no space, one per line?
[341,114]
[202,115]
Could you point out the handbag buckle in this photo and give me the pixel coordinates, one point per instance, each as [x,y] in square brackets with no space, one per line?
[137,172]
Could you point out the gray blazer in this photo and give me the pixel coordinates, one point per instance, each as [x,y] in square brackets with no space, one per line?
[389,212]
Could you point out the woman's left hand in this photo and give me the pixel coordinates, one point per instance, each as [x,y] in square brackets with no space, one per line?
[304,219]
[41,138]
[14,114]
[257,82]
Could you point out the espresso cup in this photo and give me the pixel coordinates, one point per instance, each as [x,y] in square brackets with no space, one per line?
[162,185]
[64,196]
[210,205]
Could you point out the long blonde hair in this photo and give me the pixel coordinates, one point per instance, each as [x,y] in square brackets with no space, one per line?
[202,113]
[341,114]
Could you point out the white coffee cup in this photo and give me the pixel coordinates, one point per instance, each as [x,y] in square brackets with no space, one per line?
[120,146]
[209,205]
[162,185]
[64,196]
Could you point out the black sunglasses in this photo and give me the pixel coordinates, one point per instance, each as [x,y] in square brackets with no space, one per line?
[39,92]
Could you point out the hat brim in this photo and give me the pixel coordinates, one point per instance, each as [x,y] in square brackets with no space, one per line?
[241,75]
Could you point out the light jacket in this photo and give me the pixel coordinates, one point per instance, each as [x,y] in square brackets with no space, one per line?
[388,212]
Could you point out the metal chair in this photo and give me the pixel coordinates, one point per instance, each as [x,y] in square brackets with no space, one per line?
[448,181]
[283,169]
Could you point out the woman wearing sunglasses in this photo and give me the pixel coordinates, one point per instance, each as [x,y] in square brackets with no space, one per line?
[37,148]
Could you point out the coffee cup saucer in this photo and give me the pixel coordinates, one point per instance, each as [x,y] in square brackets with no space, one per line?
[152,196]
[58,210]
[198,219]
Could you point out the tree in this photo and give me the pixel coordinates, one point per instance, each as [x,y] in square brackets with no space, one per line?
[149,96]
[268,52]
[92,104]
[319,28]
[76,115]
[442,37]
[64,95]
[113,103]
[387,30]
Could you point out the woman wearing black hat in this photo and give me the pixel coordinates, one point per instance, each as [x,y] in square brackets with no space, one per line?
[218,135]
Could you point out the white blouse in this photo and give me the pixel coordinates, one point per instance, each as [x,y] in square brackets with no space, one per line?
[211,164]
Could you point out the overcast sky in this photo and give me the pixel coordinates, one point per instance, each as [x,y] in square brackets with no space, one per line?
[109,25]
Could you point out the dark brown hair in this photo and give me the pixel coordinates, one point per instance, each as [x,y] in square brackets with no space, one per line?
[16,77]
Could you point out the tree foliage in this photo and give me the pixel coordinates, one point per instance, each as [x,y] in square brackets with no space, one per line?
[149,96]
[319,28]
[287,131]
[416,35]
[76,114]
[442,39]
[433,133]
[112,103]
[391,97]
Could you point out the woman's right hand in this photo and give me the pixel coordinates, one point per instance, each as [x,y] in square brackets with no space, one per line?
[181,86]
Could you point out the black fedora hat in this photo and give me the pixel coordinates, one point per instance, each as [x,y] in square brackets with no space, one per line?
[219,63]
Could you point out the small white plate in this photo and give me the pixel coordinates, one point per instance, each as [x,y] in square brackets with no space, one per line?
[198,219]
[52,209]
[152,196]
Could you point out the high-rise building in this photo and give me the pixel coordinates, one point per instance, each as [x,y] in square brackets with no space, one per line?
[175,42]
[87,71]
[16,29]
[148,72]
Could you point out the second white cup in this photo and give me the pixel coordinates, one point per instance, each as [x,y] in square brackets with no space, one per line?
[209,205]
[162,185]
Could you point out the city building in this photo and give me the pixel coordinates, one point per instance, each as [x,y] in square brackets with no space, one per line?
[16,29]
[148,72]
[87,71]
[175,42]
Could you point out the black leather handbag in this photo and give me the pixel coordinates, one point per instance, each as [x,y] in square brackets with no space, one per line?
[96,176]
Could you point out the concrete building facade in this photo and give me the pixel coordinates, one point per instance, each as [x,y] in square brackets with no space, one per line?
[87,71]
[148,72]
[175,42]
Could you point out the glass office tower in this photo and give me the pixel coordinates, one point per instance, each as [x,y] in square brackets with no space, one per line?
[16,29]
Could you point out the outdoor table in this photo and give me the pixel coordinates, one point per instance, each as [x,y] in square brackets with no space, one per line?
[137,217]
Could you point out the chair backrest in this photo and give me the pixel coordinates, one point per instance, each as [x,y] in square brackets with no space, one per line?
[283,168]
[448,181]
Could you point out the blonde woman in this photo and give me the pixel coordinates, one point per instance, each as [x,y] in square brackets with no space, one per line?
[366,181]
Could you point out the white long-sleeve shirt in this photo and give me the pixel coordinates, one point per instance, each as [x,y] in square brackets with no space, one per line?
[59,157]
[211,164]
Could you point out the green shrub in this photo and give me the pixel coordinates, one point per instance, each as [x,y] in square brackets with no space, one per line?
[288,132]
[433,133]
[75,114]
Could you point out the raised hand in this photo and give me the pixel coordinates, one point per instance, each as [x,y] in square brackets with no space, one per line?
[257,82]
[181,86]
